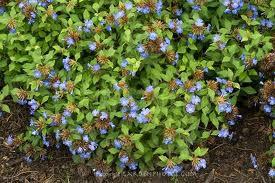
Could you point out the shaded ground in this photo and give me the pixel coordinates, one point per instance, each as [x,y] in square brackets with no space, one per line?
[228,161]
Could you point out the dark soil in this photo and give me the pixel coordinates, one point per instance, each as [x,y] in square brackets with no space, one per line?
[228,161]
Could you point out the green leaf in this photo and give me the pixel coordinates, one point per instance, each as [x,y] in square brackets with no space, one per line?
[249,90]
[199,152]
[78,78]
[159,150]
[113,150]
[136,137]
[139,146]
[5,108]
[214,119]
[124,129]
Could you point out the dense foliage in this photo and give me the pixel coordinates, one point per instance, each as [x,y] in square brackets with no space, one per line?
[134,84]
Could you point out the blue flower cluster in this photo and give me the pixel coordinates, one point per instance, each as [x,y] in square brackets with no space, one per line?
[145,8]
[190,107]
[233,6]
[199,164]
[172,170]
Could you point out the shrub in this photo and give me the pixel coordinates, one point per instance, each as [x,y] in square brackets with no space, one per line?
[137,85]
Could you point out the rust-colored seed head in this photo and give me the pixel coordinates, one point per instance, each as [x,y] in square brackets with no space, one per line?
[220,99]
[197,29]
[75,35]
[11,24]
[45,70]
[233,115]
[87,127]
[70,86]
[200,2]
[229,84]
[268,64]
[198,75]
[57,118]
[28,10]
[110,19]
[172,85]
[268,90]
[40,124]
[102,59]
[189,84]
[171,56]
[159,24]
[98,29]
[22,94]
[169,133]
[65,134]
[126,140]
[124,72]
[213,85]
[153,46]
[71,107]
[122,84]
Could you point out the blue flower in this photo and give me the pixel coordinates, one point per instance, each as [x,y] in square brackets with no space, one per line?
[68,143]
[124,101]
[93,146]
[167,140]
[223,133]
[27,159]
[10,140]
[254,161]
[117,144]
[85,138]
[128,5]
[2,10]
[133,165]
[70,41]
[33,104]
[271,173]
[144,10]
[96,67]
[88,23]
[92,46]
[199,22]
[145,111]
[153,36]
[200,164]
[85,155]
[195,100]
[225,107]
[190,108]
[172,170]
[124,63]
[37,74]
[79,129]
[149,89]
[119,15]
[271,100]
[99,173]
[267,108]
[103,131]
[159,7]
[103,116]
[124,159]
[95,112]
[67,113]
[45,142]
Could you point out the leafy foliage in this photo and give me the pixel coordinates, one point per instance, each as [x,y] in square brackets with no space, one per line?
[135,84]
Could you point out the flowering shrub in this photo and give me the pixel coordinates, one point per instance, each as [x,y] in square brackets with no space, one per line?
[134,84]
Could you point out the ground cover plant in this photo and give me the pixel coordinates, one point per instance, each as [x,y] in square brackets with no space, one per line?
[135,85]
